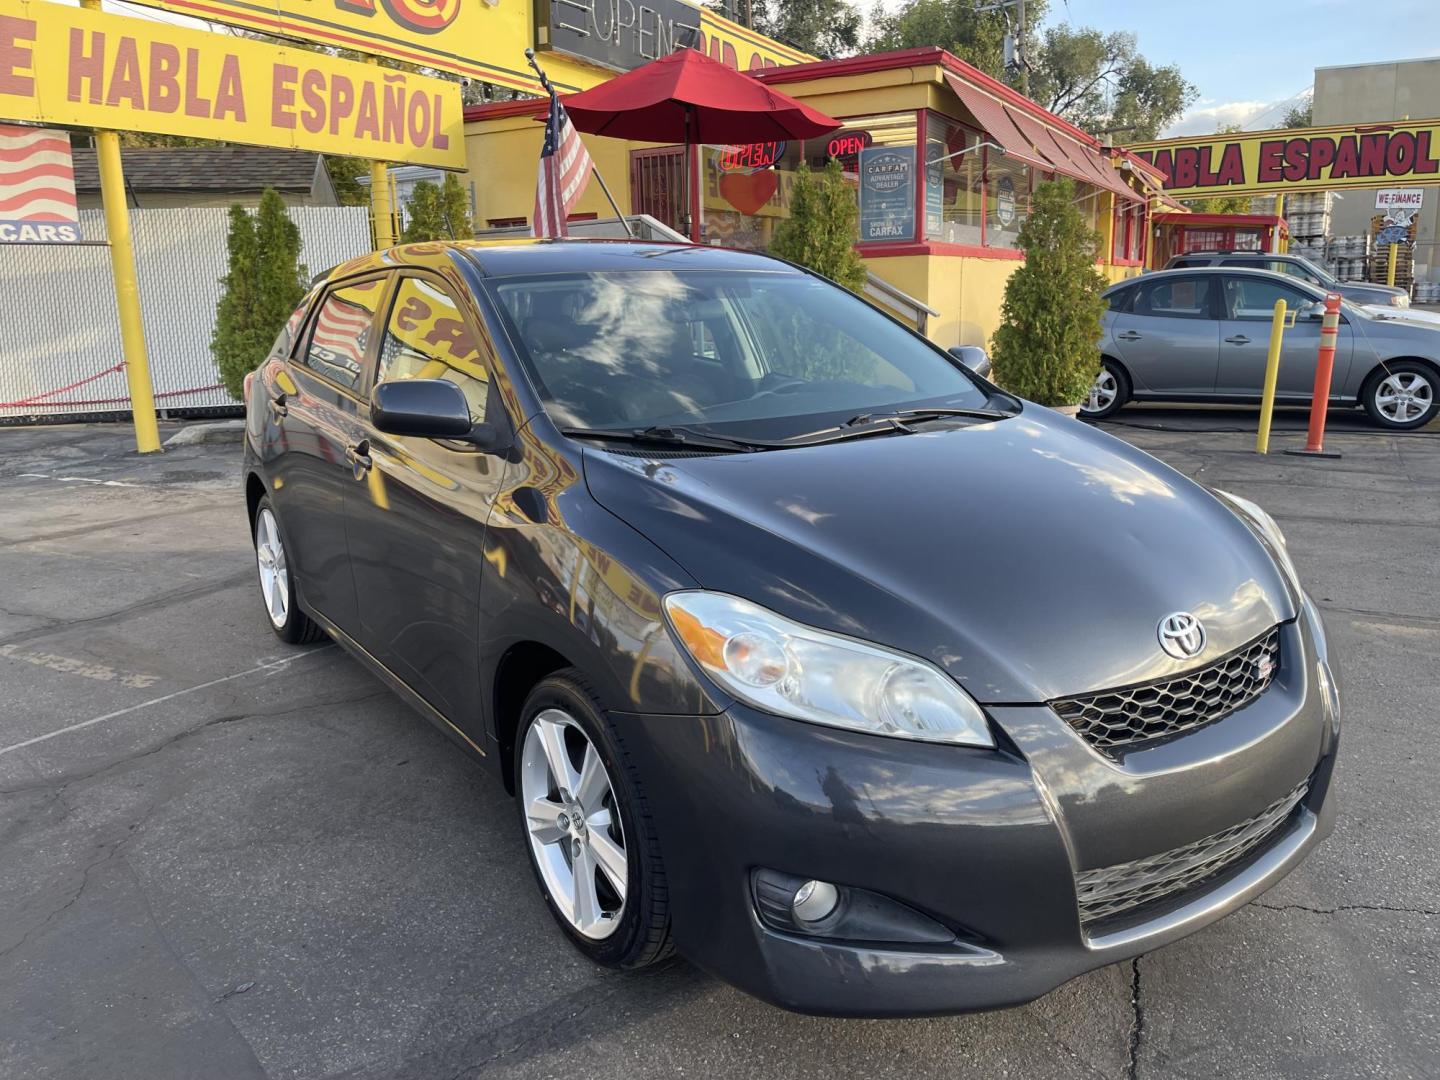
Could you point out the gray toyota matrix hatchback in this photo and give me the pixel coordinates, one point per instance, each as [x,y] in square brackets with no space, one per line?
[805,651]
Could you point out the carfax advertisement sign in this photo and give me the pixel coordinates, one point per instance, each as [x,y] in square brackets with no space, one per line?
[37,187]
[887,193]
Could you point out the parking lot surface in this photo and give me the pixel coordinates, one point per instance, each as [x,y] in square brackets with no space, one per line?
[224,857]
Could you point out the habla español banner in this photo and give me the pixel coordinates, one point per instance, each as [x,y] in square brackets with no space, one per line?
[80,68]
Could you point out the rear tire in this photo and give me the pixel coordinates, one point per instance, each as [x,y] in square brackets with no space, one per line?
[277,582]
[1108,393]
[1402,395]
[583,814]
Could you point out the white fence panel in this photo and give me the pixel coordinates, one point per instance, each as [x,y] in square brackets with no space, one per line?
[59,330]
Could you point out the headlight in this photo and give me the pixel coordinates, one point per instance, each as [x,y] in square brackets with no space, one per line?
[1400,300]
[793,670]
[1267,527]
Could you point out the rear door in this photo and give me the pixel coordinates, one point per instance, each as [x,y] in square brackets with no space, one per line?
[316,423]
[1169,338]
[1249,302]
[416,522]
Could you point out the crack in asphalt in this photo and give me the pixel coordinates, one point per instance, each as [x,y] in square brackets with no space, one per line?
[1137,1020]
[62,781]
[139,608]
[1340,908]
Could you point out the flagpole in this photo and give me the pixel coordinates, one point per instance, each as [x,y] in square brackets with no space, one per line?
[594,171]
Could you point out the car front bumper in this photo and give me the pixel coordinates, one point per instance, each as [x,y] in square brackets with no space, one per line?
[985,842]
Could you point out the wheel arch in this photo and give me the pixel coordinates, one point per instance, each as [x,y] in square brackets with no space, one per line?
[521,667]
[1380,370]
[255,490]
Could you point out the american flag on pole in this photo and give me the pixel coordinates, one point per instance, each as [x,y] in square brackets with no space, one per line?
[564,172]
[37,187]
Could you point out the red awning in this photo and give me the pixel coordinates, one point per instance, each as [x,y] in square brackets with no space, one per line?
[1034,143]
[995,119]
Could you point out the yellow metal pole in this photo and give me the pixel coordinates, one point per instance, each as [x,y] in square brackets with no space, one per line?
[381,205]
[1394,258]
[127,288]
[1109,212]
[1279,244]
[1272,374]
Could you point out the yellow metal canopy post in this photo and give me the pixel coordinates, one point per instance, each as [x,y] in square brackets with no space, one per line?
[1272,376]
[127,289]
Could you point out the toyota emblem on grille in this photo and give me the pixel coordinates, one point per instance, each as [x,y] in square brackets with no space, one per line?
[1181,635]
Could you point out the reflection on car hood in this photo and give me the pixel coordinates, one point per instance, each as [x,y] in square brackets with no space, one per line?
[1430,320]
[1031,558]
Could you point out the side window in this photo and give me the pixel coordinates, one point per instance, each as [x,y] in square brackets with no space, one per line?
[1254,297]
[341,333]
[285,340]
[1297,271]
[426,337]
[1120,299]
[1248,264]
[1175,298]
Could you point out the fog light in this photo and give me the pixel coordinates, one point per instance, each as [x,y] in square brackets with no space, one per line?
[815,900]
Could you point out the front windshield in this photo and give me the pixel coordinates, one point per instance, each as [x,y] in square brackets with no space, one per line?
[1320,275]
[768,354]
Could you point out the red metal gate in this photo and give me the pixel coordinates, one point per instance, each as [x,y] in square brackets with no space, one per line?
[656,180]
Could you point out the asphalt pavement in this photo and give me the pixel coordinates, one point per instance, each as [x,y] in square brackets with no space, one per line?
[224,857]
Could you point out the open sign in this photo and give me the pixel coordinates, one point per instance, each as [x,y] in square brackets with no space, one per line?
[848,144]
[746,157]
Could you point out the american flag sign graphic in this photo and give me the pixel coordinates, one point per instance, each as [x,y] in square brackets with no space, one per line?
[37,187]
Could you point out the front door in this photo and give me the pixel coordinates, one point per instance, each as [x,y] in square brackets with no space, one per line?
[314,427]
[1245,340]
[657,184]
[1169,337]
[416,524]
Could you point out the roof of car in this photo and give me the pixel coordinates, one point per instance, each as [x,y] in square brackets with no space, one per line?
[1235,251]
[1191,271]
[526,255]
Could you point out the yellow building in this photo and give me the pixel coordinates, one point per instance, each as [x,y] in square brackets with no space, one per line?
[943,158]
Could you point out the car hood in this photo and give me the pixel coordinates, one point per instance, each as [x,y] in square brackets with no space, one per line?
[1031,558]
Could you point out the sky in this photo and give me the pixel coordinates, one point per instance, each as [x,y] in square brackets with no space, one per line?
[1250,57]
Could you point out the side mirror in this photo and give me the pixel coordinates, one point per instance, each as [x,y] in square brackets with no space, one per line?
[973,357]
[421,408]
[1315,310]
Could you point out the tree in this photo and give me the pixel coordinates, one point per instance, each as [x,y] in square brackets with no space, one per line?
[1047,347]
[437,212]
[1095,80]
[824,221]
[826,28]
[345,173]
[1299,116]
[263,285]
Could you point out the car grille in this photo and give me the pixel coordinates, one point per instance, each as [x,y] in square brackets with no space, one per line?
[1114,890]
[1156,710]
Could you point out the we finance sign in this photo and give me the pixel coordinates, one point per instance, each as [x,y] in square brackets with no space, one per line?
[79,68]
[1260,162]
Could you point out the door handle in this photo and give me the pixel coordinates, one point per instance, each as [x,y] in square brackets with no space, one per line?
[1238,339]
[359,457]
[278,407]
[1129,335]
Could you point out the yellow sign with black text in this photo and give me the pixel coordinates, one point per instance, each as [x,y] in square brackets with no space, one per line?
[486,39]
[1321,159]
[80,68]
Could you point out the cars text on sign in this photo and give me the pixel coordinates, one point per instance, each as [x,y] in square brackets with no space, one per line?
[1313,158]
[82,68]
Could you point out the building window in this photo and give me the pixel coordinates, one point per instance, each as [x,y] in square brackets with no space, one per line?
[962,179]
[1007,199]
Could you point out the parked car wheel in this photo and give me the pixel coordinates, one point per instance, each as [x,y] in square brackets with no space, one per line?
[277,583]
[1403,395]
[591,842]
[1109,391]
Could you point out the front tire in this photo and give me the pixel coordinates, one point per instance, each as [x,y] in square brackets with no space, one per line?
[587,827]
[1108,393]
[277,583]
[1403,395]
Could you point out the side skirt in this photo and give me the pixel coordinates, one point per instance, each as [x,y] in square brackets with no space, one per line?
[398,685]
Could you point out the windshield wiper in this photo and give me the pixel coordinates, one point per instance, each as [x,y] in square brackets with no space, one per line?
[899,416]
[669,436]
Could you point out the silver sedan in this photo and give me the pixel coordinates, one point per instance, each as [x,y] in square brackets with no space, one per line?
[1202,335]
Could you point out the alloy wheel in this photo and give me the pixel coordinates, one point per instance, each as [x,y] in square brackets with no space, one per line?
[1404,396]
[573,824]
[274,569]
[1102,392]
